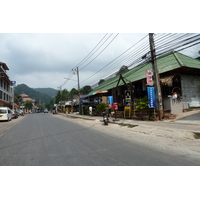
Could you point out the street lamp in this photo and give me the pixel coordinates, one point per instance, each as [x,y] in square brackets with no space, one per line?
[70,79]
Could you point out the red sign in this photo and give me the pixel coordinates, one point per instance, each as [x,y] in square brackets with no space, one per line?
[115,106]
[149,78]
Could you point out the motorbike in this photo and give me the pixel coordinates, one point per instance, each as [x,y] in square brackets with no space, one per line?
[105,118]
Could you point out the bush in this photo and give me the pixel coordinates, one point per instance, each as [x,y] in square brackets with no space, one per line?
[100,108]
[142,105]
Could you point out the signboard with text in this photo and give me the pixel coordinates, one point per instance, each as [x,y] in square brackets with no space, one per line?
[149,78]
[151,97]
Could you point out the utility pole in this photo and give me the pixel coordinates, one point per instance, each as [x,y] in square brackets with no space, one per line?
[79,96]
[60,97]
[159,104]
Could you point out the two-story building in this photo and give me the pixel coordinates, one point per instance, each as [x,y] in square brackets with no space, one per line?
[6,90]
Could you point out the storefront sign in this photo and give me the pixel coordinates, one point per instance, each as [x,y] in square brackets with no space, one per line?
[149,78]
[110,101]
[151,97]
[13,83]
[128,97]
[115,106]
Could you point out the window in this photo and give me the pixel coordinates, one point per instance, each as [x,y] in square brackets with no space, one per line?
[3,111]
[1,84]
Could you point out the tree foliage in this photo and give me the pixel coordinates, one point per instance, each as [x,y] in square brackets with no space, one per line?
[65,95]
[86,89]
[122,70]
[28,105]
[101,81]
[39,97]
[101,107]
[18,99]
[73,92]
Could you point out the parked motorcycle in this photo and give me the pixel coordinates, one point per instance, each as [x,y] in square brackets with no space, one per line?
[105,118]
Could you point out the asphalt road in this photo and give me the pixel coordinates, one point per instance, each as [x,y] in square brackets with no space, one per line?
[46,140]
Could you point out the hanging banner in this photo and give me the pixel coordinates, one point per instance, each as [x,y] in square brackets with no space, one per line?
[110,101]
[151,97]
[149,78]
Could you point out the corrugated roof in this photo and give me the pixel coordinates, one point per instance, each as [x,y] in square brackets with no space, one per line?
[165,63]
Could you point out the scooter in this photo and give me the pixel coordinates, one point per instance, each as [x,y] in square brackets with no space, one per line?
[105,118]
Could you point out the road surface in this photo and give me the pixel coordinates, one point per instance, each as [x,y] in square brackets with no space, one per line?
[48,140]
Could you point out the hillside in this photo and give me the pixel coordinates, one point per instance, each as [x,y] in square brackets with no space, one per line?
[49,91]
[38,96]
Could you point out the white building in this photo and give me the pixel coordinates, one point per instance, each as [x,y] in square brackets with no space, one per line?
[6,90]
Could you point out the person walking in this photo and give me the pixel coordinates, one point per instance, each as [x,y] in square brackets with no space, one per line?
[90,110]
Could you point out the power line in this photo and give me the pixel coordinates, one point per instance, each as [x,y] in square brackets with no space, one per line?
[84,60]
[100,52]
[114,59]
[164,43]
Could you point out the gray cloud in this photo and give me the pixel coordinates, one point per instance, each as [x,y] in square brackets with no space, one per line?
[43,60]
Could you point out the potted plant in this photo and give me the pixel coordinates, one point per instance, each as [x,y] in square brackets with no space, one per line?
[142,106]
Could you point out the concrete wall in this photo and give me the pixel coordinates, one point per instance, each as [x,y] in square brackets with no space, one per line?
[174,105]
[190,90]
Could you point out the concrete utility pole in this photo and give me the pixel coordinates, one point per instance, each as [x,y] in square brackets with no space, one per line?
[60,97]
[79,96]
[13,98]
[159,104]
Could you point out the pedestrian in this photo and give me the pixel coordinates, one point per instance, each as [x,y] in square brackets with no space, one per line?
[90,110]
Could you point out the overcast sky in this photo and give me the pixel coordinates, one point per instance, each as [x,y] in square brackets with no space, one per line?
[46,59]
[43,60]
[42,41]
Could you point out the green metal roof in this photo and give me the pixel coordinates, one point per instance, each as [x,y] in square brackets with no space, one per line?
[165,63]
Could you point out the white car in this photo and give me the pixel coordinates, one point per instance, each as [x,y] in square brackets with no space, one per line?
[5,114]
[46,111]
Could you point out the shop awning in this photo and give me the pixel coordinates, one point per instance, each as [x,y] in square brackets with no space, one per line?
[85,96]
[100,92]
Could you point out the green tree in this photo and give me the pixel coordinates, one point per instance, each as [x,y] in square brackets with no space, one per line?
[18,99]
[122,70]
[86,89]
[28,105]
[50,105]
[65,95]
[41,107]
[101,81]
[73,92]
[58,97]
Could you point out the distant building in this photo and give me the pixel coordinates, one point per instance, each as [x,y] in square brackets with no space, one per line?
[6,90]
[26,98]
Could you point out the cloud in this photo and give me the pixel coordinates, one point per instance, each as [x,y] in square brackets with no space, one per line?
[44,59]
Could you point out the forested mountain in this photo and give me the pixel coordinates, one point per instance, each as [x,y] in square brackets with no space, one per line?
[34,94]
[49,91]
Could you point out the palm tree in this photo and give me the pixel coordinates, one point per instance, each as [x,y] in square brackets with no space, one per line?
[18,99]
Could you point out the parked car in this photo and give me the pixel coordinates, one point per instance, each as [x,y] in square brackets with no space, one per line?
[5,114]
[15,114]
[46,111]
